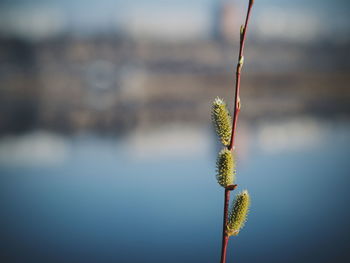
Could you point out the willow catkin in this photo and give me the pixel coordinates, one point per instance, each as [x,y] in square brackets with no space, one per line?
[225,168]
[238,214]
[222,121]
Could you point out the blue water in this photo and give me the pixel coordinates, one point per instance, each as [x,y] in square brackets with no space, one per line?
[102,205]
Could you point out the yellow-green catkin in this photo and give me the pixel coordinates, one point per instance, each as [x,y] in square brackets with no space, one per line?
[238,214]
[225,168]
[222,121]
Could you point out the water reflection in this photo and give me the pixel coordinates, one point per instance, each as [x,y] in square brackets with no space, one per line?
[93,199]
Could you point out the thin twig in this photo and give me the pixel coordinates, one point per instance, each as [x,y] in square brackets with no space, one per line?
[238,76]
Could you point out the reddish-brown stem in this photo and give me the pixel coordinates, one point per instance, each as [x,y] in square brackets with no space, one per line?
[224,235]
[224,248]
[237,102]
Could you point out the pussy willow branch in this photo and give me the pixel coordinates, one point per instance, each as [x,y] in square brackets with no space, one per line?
[237,102]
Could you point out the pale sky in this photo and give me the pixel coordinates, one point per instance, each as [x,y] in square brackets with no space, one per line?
[299,19]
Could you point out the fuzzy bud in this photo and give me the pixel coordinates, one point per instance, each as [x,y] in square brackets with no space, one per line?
[222,121]
[225,168]
[241,61]
[238,214]
[241,30]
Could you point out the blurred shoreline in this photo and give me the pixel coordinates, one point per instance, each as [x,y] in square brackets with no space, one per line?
[112,85]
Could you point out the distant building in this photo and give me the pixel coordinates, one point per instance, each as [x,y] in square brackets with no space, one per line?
[225,24]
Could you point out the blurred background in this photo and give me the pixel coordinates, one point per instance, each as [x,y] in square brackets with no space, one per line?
[107,153]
